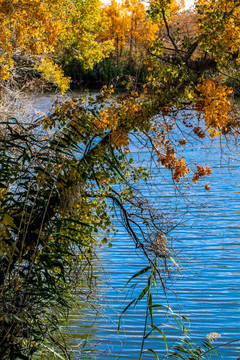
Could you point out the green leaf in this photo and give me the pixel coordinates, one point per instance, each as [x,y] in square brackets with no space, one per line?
[8,220]
[125,309]
[154,353]
[173,261]
[143,293]
[150,307]
[163,335]
[139,273]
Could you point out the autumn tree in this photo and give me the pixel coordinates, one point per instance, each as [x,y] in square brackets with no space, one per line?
[84,22]
[41,32]
[118,21]
[141,30]
[129,27]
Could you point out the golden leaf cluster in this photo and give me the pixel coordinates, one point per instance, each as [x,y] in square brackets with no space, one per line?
[216,103]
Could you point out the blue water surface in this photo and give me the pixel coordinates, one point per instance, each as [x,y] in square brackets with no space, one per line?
[207,243]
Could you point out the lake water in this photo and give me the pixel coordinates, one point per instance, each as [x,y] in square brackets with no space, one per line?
[208,246]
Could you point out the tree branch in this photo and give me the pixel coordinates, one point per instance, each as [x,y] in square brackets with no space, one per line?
[168,31]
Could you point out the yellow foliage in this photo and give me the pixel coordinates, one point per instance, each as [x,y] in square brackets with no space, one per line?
[85,22]
[219,27]
[52,73]
[214,99]
[106,119]
[36,28]
[128,25]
